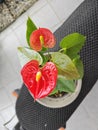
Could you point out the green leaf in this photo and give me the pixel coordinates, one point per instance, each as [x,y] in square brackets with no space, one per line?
[72,40]
[64,85]
[79,65]
[45,58]
[73,43]
[27,54]
[44,55]
[65,66]
[54,91]
[44,49]
[30,28]
[73,51]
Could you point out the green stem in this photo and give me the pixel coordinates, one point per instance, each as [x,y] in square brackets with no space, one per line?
[63,50]
[49,57]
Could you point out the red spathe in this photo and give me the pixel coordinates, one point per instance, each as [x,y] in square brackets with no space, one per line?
[46,83]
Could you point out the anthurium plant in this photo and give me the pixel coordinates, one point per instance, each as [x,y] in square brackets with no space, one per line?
[45,73]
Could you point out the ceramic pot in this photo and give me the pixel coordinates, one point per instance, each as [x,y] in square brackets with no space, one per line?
[61,101]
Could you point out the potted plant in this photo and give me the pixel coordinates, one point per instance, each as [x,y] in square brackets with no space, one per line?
[52,78]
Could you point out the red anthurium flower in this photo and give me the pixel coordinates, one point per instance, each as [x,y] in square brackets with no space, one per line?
[40,81]
[42,37]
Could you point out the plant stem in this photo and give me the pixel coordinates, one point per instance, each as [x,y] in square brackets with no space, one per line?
[63,50]
[49,57]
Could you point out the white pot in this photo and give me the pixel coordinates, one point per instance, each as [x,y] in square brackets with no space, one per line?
[61,101]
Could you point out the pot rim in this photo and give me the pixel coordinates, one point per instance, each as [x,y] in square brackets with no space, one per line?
[61,101]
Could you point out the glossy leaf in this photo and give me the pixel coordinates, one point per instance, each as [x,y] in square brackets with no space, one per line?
[73,51]
[40,82]
[64,85]
[45,58]
[27,54]
[72,40]
[65,65]
[79,65]
[30,28]
[73,43]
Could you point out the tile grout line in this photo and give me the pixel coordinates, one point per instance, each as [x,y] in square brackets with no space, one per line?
[6,107]
[27,14]
[5,30]
[54,11]
[17,25]
[9,58]
[36,10]
[2,118]
[54,26]
[9,96]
